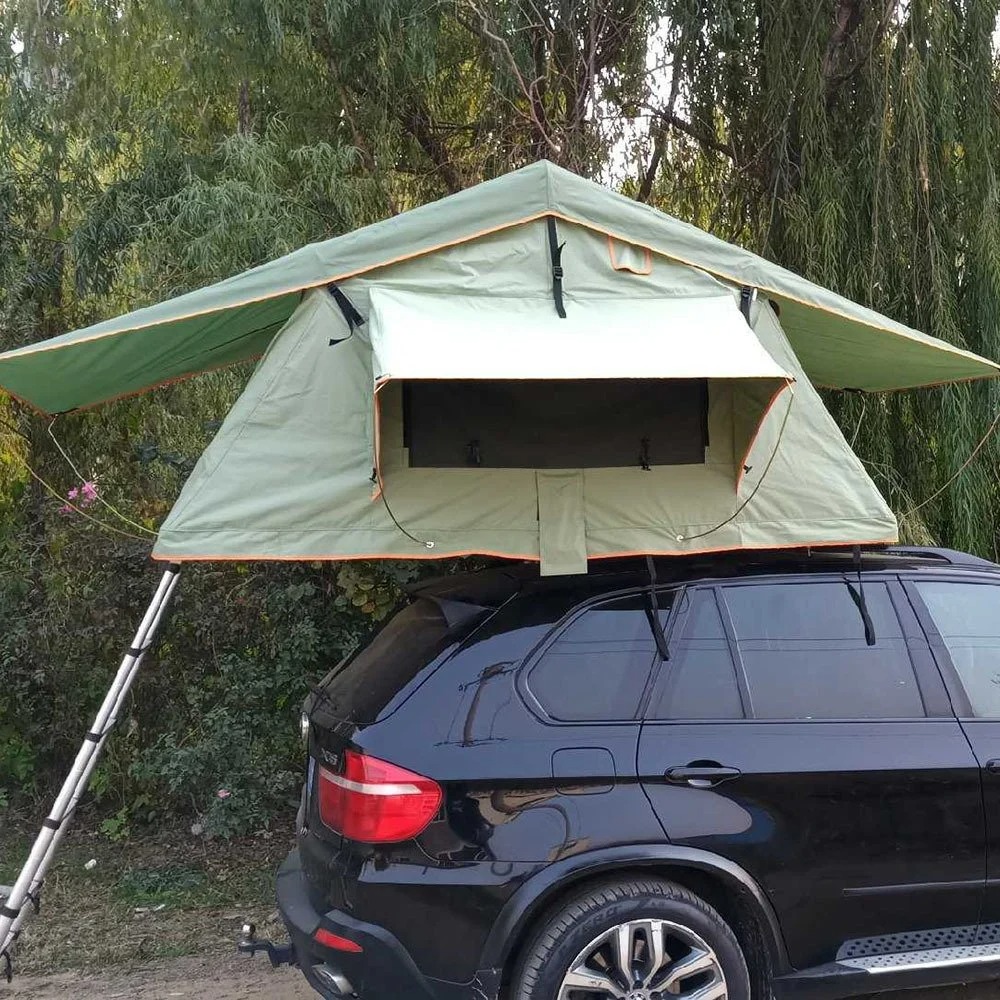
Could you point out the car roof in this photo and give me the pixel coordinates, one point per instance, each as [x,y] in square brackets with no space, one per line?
[492,586]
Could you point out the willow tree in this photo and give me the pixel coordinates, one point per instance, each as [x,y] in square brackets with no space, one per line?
[856,143]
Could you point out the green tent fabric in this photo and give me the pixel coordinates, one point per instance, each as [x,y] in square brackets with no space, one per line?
[314,463]
[839,343]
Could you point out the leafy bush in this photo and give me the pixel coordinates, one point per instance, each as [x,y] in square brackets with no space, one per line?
[211,730]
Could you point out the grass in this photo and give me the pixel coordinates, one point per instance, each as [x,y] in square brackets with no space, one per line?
[162,895]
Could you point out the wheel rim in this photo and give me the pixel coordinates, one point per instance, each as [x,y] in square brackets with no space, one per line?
[645,960]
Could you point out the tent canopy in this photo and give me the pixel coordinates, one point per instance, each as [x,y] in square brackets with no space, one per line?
[839,343]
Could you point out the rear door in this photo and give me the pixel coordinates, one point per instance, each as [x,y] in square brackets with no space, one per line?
[824,761]
[962,618]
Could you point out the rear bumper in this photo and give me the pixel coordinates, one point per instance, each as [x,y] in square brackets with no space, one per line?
[382,970]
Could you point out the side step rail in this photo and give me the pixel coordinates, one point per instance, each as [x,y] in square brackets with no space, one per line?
[26,891]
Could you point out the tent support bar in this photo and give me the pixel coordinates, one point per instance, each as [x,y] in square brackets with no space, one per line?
[26,891]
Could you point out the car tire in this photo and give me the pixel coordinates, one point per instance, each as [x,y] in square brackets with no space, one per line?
[609,925]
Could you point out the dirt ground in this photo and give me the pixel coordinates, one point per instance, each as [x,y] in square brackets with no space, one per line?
[244,978]
[192,978]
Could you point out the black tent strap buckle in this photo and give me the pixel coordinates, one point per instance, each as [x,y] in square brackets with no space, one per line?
[352,317]
[8,967]
[6,911]
[746,300]
[555,252]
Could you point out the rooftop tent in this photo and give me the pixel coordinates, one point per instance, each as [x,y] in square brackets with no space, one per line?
[420,396]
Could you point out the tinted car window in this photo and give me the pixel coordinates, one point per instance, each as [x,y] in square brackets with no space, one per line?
[700,679]
[359,687]
[805,654]
[968,617]
[597,668]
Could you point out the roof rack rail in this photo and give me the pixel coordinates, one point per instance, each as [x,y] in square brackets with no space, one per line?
[950,556]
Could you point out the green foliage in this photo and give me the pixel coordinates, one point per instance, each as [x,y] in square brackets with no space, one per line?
[147,148]
[116,827]
[169,884]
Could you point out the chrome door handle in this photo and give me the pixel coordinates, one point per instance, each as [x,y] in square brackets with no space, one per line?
[701,776]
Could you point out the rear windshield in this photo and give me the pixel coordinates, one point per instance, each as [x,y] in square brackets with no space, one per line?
[360,687]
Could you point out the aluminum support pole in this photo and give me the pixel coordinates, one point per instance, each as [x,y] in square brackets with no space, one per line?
[25,890]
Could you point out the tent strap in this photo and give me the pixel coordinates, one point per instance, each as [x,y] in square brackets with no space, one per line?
[352,317]
[555,252]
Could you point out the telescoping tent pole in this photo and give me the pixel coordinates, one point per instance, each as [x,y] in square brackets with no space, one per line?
[26,889]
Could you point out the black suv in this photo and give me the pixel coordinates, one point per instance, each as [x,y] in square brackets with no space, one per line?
[713,780]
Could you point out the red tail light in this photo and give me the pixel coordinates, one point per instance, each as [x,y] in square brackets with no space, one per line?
[330,940]
[376,802]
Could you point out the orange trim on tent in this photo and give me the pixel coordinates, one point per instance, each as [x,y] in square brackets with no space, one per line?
[24,402]
[742,548]
[39,348]
[527,558]
[137,392]
[354,558]
[742,467]
[171,381]
[377,444]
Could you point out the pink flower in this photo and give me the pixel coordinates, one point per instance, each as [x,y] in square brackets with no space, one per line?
[83,495]
[223,793]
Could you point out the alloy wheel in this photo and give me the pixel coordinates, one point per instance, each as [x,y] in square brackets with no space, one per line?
[645,960]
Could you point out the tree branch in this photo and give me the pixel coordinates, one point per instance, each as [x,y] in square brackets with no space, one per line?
[692,131]
[838,79]
[846,20]
[660,138]
[532,92]
[416,120]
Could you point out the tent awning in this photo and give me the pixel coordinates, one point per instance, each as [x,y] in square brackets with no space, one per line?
[842,344]
[418,336]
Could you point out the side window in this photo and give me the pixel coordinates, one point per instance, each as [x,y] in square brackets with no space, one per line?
[598,667]
[699,682]
[967,615]
[805,655]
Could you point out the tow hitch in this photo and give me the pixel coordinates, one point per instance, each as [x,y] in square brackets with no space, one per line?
[279,954]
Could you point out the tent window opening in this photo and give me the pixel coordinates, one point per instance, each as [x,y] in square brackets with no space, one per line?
[555,423]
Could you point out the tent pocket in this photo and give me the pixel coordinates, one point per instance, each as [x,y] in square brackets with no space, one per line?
[562,535]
